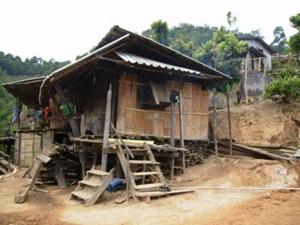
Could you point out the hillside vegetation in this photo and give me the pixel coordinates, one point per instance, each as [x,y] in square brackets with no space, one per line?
[13,68]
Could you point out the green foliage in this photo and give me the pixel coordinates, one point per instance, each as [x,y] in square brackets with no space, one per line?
[218,47]
[159,32]
[279,44]
[231,20]
[286,83]
[294,41]
[223,52]
[7,102]
[13,68]
[14,65]
[185,38]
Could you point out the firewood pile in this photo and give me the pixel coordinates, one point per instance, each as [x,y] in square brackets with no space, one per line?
[196,153]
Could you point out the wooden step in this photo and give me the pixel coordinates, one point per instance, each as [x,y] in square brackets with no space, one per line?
[145,173]
[82,195]
[143,162]
[161,193]
[149,186]
[90,183]
[138,149]
[97,172]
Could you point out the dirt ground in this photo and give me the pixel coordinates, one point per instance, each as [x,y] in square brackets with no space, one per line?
[202,207]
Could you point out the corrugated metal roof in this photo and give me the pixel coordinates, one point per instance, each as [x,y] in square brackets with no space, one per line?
[135,59]
[139,41]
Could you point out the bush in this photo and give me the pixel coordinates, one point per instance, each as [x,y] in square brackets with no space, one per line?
[286,84]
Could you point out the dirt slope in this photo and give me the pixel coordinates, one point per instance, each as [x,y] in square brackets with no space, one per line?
[262,124]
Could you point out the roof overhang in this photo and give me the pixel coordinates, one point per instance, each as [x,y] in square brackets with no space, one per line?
[27,89]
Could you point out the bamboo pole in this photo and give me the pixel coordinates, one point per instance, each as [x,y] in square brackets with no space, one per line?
[106,128]
[229,123]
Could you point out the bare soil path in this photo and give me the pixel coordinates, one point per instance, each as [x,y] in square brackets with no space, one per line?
[202,207]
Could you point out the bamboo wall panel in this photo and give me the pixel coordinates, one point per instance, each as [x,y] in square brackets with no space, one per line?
[131,119]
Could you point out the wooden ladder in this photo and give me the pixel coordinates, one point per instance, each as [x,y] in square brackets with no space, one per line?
[92,186]
[143,172]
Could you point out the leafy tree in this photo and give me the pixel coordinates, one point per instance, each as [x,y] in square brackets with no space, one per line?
[286,84]
[14,65]
[183,45]
[159,32]
[257,33]
[294,41]
[231,21]
[14,68]
[198,35]
[223,52]
[280,41]
[185,38]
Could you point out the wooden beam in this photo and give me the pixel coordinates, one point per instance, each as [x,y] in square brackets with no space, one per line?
[106,128]
[215,123]
[246,78]
[181,120]
[229,123]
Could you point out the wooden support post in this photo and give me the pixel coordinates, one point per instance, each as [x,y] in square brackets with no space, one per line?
[181,117]
[181,120]
[17,155]
[106,128]
[63,100]
[215,123]
[246,78]
[173,125]
[172,165]
[229,123]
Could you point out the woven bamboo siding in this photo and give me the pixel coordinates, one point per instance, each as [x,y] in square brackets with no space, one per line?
[136,121]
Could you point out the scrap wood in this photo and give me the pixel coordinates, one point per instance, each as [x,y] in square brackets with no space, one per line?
[237,188]
[263,152]
[259,151]
[34,172]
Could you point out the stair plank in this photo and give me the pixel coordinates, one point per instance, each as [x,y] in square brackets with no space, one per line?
[143,162]
[161,193]
[145,173]
[82,195]
[90,183]
[97,172]
[138,149]
[148,186]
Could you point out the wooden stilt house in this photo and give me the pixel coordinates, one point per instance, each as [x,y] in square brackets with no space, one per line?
[134,87]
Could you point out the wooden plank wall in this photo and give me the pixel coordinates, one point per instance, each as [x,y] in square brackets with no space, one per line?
[133,120]
[94,105]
